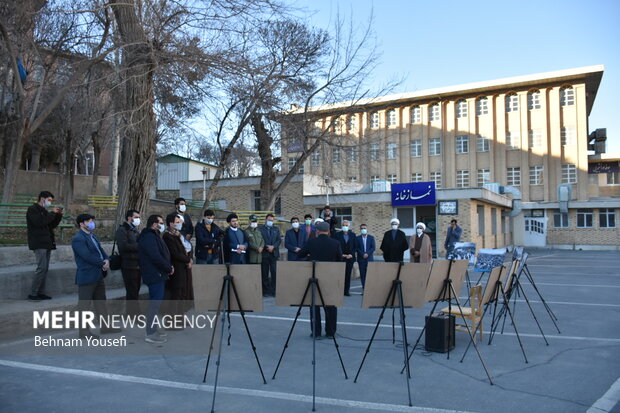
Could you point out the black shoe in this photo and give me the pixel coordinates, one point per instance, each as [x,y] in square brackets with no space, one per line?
[44,297]
[109,330]
[87,333]
[347,294]
[34,298]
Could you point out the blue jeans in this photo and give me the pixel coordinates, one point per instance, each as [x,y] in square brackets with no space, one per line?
[211,259]
[156,296]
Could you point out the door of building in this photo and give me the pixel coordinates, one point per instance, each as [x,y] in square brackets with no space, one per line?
[535,232]
[409,216]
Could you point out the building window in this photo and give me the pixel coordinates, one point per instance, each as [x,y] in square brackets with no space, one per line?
[560,219]
[337,125]
[513,176]
[462,144]
[433,112]
[375,178]
[484,176]
[392,150]
[512,103]
[585,217]
[535,138]
[277,209]
[462,179]
[416,114]
[416,177]
[512,140]
[533,100]
[613,178]
[374,120]
[483,144]
[436,177]
[567,135]
[336,155]
[567,96]
[434,146]
[482,106]
[391,117]
[343,213]
[352,123]
[392,178]
[374,152]
[416,149]
[461,108]
[291,164]
[352,154]
[353,179]
[480,211]
[569,174]
[493,221]
[536,175]
[607,218]
[316,158]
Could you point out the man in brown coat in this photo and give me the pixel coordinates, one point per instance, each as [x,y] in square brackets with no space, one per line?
[420,245]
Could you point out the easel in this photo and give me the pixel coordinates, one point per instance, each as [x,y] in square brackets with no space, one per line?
[224,309]
[448,293]
[314,288]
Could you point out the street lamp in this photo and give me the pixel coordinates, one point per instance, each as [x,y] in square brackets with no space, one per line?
[205,172]
[327,180]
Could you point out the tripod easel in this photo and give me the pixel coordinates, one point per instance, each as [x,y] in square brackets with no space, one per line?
[223,310]
[314,288]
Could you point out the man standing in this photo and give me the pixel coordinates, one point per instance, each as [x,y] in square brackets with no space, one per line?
[365,248]
[156,269]
[308,227]
[236,241]
[453,236]
[92,266]
[41,224]
[394,243]
[255,241]
[346,239]
[127,240]
[271,252]
[323,248]
[421,250]
[187,229]
[208,240]
[294,240]
[330,218]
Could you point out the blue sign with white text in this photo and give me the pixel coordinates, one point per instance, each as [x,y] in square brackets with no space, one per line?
[419,193]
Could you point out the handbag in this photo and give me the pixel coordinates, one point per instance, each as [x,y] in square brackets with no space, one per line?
[115,258]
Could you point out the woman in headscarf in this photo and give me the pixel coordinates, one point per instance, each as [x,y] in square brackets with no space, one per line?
[420,245]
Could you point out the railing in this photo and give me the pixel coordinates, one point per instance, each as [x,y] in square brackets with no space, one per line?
[103,201]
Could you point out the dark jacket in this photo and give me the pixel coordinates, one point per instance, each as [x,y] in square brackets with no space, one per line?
[333,222]
[370,248]
[154,257]
[393,249]
[188,227]
[232,239]
[453,235]
[179,259]
[127,243]
[88,259]
[346,247]
[271,235]
[208,240]
[294,240]
[321,248]
[41,224]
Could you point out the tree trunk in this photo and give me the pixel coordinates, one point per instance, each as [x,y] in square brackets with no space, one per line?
[268,173]
[69,176]
[35,156]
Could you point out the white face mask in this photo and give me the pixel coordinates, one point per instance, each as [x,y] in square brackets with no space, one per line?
[394,226]
[345,229]
[178,226]
[182,208]
[47,203]
[136,222]
[162,227]
[419,231]
[269,223]
[209,221]
[364,231]
[295,224]
[253,224]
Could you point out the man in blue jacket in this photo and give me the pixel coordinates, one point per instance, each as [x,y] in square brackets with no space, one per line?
[453,236]
[271,253]
[236,243]
[294,240]
[155,268]
[346,238]
[365,248]
[92,266]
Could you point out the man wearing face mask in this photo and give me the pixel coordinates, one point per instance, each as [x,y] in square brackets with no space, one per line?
[294,240]
[346,238]
[308,227]
[421,250]
[255,241]
[365,248]
[92,266]
[236,241]
[127,240]
[271,235]
[182,263]
[187,229]
[394,243]
[208,240]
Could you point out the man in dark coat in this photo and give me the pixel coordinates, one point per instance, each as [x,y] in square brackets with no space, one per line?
[236,243]
[187,228]
[294,240]
[394,243]
[365,248]
[41,224]
[346,238]
[271,253]
[208,240]
[127,241]
[323,248]
[329,217]
[155,268]
[182,263]
[452,237]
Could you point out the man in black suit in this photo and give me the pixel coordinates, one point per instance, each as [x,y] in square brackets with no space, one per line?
[323,248]
[394,243]
[346,238]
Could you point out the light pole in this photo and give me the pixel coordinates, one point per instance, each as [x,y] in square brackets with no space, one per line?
[327,179]
[205,172]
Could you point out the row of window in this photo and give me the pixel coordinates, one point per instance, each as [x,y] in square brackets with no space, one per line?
[585,218]
[567,98]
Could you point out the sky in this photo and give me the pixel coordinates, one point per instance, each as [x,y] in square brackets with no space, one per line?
[447,42]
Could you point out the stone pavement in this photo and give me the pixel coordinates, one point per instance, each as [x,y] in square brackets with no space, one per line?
[578,371]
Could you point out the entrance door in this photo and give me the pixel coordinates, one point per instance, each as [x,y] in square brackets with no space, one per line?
[409,216]
[535,232]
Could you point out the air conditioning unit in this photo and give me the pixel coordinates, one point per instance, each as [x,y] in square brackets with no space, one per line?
[493,187]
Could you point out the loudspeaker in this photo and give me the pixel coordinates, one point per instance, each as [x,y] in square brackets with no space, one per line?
[438,329]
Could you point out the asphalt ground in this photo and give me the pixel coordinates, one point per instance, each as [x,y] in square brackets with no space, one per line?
[578,371]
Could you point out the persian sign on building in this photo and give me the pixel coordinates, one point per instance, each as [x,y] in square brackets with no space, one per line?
[412,194]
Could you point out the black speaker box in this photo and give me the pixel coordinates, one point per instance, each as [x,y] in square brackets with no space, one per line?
[439,336]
